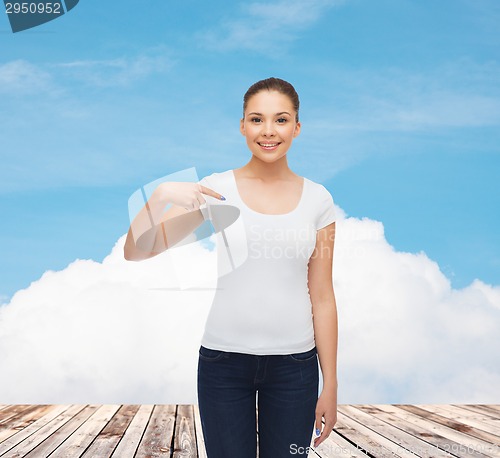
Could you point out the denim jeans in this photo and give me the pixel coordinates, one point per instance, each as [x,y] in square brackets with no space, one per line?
[284,388]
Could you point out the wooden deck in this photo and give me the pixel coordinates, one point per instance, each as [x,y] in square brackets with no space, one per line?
[126,431]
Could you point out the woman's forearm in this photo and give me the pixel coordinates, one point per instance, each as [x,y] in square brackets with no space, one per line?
[174,226]
[142,234]
[325,322]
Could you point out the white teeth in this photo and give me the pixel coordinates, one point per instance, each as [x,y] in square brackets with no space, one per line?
[268,145]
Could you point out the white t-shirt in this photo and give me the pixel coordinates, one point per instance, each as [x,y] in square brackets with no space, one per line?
[262,304]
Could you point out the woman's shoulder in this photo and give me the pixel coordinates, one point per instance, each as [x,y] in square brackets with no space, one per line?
[317,188]
[217,176]
[220,182]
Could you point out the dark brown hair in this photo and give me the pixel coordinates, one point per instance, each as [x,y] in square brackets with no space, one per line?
[273,84]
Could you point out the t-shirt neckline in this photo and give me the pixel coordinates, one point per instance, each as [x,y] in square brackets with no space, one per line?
[304,184]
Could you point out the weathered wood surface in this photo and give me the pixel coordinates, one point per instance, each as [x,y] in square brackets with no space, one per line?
[133,431]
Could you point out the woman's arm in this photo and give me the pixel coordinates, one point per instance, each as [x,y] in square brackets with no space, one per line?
[325,322]
[175,225]
[152,231]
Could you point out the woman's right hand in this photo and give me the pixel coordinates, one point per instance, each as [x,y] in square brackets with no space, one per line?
[184,194]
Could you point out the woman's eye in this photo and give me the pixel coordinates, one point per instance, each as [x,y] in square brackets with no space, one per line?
[255,119]
[282,120]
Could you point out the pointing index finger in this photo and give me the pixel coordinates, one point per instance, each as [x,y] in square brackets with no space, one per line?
[210,192]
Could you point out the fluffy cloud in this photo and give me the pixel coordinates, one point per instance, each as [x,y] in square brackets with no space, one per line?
[405,334]
[115,331]
[125,332]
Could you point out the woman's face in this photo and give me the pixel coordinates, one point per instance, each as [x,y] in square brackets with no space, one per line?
[269,125]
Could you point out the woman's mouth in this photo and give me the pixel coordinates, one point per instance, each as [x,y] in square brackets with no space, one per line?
[269,146]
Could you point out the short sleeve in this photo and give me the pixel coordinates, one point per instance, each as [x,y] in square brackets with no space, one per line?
[326,209]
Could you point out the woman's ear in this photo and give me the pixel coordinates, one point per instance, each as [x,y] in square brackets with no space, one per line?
[296,131]
[242,126]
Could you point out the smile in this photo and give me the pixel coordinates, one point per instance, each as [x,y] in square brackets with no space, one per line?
[268,146]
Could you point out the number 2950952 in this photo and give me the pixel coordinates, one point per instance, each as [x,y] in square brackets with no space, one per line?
[33,8]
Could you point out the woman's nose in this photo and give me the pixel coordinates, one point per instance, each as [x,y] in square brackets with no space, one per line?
[268,129]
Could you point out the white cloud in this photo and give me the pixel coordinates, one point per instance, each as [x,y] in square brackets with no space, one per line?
[120,71]
[19,77]
[405,330]
[265,27]
[101,332]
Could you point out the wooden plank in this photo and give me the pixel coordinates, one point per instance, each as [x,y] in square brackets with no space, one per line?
[184,439]
[463,417]
[443,420]
[132,437]
[23,419]
[336,446]
[491,406]
[366,439]
[10,412]
[483,417]
[21,443]
[435,440]
[159,433]
[257,423]
[200,440]
[408,439]
[110,436]
[56,433]
[493,413]
[83,436]
[133,431]
[471,446]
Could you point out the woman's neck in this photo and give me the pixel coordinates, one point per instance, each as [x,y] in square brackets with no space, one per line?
[255,168]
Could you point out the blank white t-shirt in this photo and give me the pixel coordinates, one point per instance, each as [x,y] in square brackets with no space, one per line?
[262,304]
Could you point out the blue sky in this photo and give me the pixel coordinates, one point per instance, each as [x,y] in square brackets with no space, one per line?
[400,111]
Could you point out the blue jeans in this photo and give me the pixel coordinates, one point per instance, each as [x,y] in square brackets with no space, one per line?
[284,388]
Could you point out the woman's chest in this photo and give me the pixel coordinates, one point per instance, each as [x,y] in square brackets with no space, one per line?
[276,199]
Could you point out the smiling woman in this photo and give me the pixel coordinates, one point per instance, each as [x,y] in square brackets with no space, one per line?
[266,129]
[276,314]
[273,314]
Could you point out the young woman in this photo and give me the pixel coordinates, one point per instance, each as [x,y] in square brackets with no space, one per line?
[274,314]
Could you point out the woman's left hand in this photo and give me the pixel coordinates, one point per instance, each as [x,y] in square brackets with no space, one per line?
[326,408]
